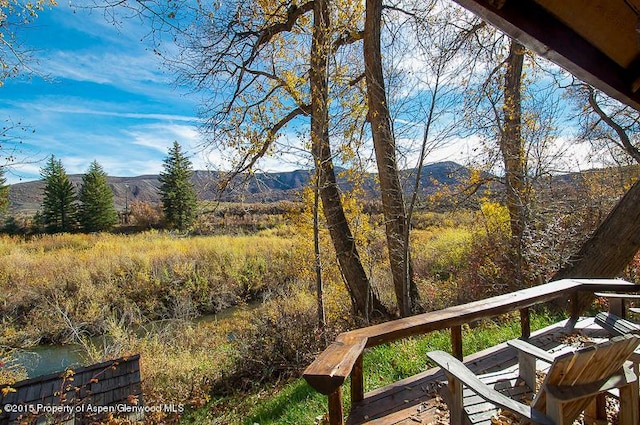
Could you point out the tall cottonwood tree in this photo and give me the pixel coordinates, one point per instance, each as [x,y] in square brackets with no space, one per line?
[96,210]
[385,148]
[260,50]
[514,118]
[514,157]
[59,209]
[339,229]
[437,47]
[614,243]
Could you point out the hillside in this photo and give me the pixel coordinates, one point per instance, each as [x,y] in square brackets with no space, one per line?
[259,187]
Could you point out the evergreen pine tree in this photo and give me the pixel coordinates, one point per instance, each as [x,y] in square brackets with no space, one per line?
[58,206]
[179,201]
[97,212]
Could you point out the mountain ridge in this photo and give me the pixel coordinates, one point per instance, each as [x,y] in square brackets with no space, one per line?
[26,197]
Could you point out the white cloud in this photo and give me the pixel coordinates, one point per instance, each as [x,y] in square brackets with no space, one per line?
[134,72]
[23,172]
[161,136]
[134,167]
[77,109]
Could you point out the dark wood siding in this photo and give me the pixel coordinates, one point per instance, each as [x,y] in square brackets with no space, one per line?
[80,395]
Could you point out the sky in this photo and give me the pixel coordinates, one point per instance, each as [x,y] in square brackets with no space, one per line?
[99,94]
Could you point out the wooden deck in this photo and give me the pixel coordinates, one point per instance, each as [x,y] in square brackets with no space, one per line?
[415,400]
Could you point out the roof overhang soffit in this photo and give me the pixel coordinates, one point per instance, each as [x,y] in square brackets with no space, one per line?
[542,31]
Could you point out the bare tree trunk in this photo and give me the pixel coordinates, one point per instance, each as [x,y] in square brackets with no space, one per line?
[343,241]
[385,149]
[316,251]
[512,148]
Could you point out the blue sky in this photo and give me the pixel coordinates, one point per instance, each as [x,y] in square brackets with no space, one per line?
[100,93]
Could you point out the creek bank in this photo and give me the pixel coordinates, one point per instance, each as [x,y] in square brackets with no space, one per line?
[53,358]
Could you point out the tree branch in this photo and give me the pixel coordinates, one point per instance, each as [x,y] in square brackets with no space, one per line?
[293,14]
[248,161]
[347,38]
[622,134]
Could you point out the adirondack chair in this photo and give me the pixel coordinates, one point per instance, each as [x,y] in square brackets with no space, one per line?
[572,383]
[616,325]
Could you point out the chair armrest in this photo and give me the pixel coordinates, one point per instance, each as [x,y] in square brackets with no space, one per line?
[616,295]
[455,370]
[531,350]
[617,301]
[527,356]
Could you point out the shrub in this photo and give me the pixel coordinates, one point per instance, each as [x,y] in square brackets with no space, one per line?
[10,372]
[281,338]
[146,215]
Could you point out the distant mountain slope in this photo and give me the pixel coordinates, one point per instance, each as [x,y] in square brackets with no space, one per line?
[258,187]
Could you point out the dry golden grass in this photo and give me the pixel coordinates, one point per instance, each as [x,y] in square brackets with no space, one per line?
[64,288]
[53,285]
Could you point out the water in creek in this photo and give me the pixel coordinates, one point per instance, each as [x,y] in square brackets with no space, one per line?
[46,359]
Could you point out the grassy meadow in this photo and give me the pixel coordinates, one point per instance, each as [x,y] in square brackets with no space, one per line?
[144,293]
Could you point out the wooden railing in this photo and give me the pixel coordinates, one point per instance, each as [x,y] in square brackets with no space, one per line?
[343,358]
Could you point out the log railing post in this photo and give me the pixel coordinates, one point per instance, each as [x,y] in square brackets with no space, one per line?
[335,407]
[616,306]
[525,323]
[456,342]
[357,381]
[574,309]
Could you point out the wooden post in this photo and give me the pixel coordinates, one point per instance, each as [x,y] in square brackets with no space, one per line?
[616,306]
[525,323]
[456,407]
[335,408]
[357,381]
[629,414]
[575,309]
[456,342]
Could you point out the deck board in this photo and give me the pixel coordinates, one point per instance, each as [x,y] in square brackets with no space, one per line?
[414,400]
